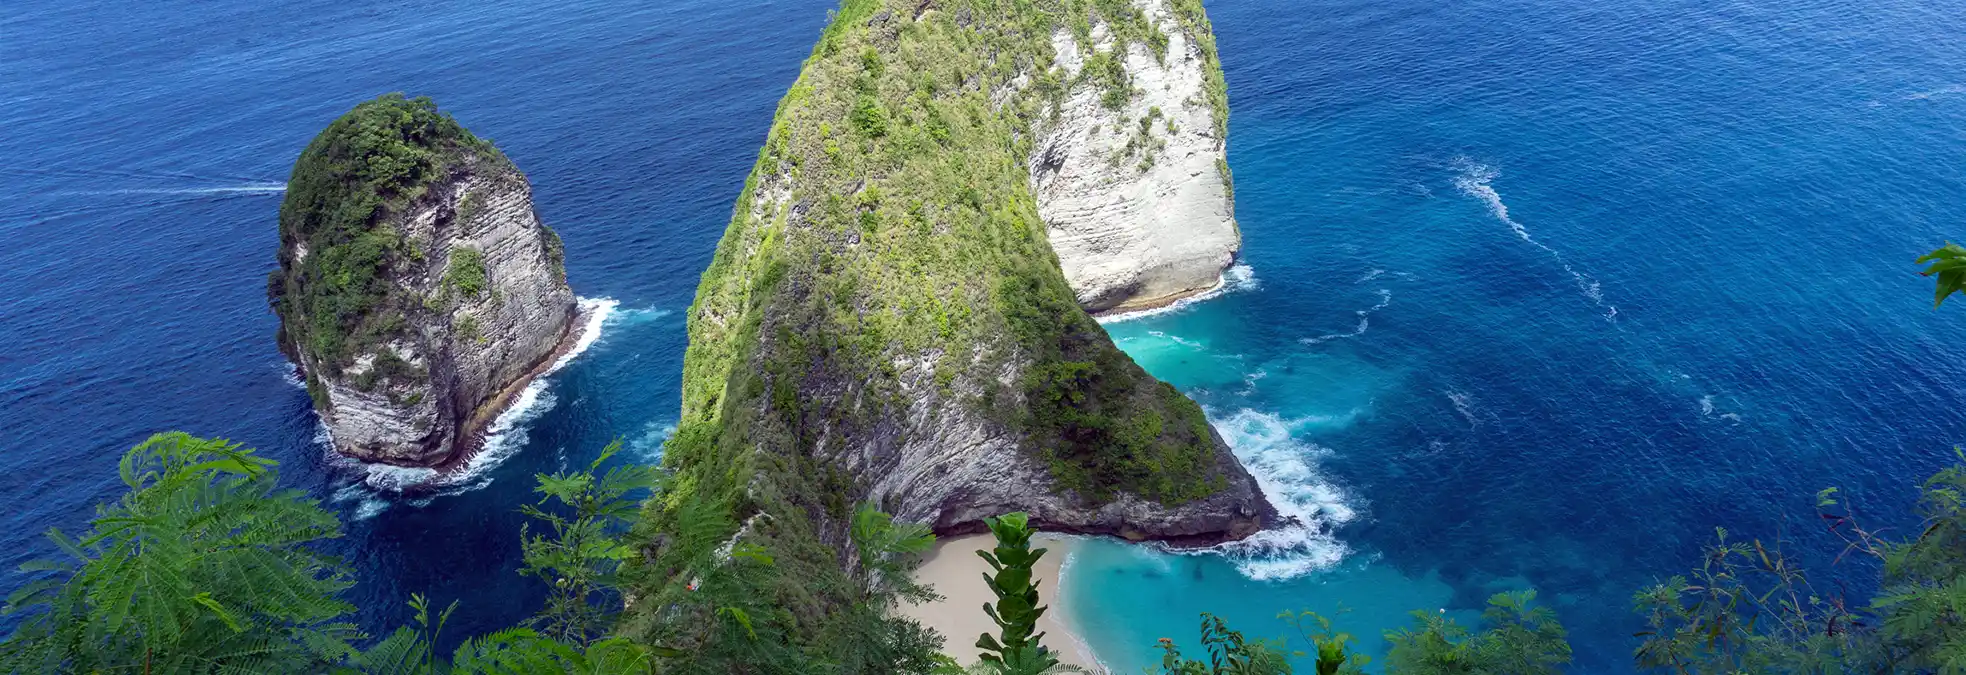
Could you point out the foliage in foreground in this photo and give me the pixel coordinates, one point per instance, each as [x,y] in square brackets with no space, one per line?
[1016,651]
[206,566]
[201,567]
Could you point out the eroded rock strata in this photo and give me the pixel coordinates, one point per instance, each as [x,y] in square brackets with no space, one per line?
[1135,190]
[418,291]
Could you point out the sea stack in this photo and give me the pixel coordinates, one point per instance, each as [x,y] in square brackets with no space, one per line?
[417,290]
[1130,165]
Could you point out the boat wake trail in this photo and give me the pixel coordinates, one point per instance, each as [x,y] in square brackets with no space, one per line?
[1285,468]
[231,190]
[1947,90]
[1364,321]
[1475,181]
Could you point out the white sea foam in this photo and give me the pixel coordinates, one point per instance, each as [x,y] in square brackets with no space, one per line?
[1947,90]
[1708,408]
[630,317]
[503,439]
[1285,468]
[230,190]
[1364,321]
[1239,277]
[1376,273]
[1176,339]
[648,446]
[290,374]
[1249,381]
[1475,180]
[508,432]
[1463,404]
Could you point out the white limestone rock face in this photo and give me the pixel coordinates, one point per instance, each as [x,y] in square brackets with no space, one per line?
[421,398]
[953,468]
[1139,209]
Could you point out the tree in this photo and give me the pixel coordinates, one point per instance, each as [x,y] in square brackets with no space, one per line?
[889,552]
[204,566]
[1922,607]
[1017,650]
[514,651]
[580,561]
[1330,645]
[1948,266]
[1228,654]
[1517,640]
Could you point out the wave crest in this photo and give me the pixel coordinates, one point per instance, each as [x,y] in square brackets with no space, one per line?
[1364,321]
[506,436]
[1285,469]
[1475,180]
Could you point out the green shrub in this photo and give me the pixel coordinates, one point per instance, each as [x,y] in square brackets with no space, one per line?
[467,328]
[869,118]
[466,273]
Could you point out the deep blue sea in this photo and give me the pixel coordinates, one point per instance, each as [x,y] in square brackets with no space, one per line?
[1535,293]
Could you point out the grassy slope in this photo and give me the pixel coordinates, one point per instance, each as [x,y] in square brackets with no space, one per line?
[889,218]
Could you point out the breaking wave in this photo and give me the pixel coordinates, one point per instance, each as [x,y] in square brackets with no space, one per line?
[1475,181]
[506,436]
[1285,469]
[1239,277]
[1364,321]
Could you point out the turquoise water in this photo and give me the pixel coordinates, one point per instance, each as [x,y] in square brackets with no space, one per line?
[1535,292]
[1545,291]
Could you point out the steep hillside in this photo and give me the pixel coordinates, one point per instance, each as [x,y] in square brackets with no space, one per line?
[885,320]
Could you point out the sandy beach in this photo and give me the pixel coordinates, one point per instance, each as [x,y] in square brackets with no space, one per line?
[957,573]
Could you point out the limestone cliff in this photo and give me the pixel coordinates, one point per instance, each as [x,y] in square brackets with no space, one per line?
[417,289]
[885,320]
[1135,189]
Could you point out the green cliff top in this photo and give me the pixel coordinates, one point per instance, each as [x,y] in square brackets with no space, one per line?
[334,302]
[888,231]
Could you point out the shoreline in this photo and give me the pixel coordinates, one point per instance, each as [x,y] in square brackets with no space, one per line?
[1229,279]
[473,433]
[477,431]
[955,571]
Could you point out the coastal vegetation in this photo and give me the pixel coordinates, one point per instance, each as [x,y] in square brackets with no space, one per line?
[1016,610]
[333,293]
[886,256]
[208,565]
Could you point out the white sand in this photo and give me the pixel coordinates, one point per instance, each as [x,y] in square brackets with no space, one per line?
[956,572]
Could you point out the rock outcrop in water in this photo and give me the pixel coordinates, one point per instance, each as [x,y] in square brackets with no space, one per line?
[886,321]
[1136,190]
[417,289]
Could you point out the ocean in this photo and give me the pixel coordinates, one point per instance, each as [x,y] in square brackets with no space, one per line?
[1535,293]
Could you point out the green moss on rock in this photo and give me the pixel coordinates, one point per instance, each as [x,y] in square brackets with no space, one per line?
[333,290]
